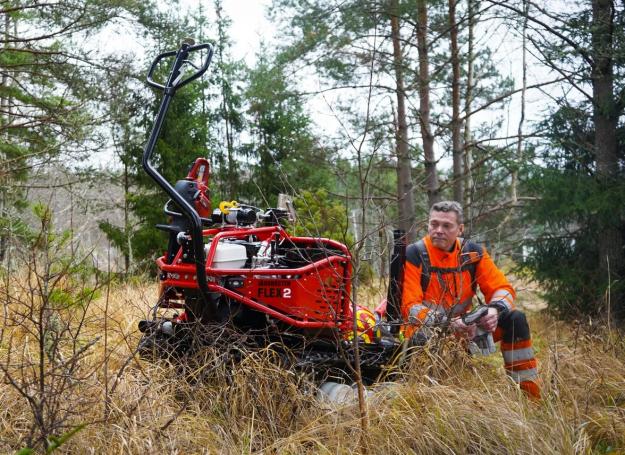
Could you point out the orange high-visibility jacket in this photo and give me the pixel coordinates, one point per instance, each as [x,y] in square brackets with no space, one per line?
[450,291]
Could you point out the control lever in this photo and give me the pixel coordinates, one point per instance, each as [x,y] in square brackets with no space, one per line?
[482,343]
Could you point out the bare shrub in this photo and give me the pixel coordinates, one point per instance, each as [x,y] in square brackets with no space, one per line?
[46,340]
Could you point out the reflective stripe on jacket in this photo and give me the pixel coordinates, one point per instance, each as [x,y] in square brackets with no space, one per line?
[451,290]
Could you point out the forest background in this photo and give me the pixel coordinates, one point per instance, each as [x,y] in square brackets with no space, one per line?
[417,107]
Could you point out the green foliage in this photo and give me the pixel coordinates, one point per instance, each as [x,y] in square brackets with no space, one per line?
[347,44]
[116,235]
[57,441]
[54,442]
[62,299]
[56,295]
[319,215]
[17,227]
[572,209]
[227,121]
[286,157]
[48,89]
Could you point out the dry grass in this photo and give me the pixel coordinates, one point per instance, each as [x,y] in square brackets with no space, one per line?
[446,403]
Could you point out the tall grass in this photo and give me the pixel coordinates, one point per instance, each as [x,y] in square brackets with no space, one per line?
[445,403]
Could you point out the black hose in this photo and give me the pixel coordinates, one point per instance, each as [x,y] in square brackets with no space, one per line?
[396,279]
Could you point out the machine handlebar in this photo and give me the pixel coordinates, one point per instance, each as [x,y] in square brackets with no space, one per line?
[175,81]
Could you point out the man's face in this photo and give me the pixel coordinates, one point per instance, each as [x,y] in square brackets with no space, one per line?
[444,228]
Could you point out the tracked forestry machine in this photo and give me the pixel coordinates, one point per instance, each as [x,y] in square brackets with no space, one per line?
[236,267]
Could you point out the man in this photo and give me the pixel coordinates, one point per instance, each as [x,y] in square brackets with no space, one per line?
[441,274]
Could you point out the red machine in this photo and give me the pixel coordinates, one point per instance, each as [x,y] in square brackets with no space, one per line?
[253,263]
[236,266]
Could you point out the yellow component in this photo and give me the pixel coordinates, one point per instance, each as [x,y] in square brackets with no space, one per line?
[225,206]
[365,323]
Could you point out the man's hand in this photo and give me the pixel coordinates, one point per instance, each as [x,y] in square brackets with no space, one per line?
[467,331]
[489,322]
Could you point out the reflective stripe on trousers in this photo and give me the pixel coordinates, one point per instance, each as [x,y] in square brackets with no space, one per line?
[519,360]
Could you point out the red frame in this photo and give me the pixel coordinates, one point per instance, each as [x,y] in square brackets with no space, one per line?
[310,297]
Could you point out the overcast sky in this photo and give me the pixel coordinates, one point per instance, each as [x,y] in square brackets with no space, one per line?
[249,25]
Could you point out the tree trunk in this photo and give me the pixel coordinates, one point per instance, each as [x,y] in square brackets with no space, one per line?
[468,97]
[431,176]
[405,197]
[5,105]
[519,146]
[605,117]
[127,226]
[456,145]
[226,113]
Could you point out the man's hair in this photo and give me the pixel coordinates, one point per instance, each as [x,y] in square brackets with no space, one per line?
[449,206]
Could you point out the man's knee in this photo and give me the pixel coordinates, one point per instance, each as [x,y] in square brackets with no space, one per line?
[515,326]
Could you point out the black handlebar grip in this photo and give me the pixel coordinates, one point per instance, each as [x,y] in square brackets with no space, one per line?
[153,66]
[204,66]
[173,80]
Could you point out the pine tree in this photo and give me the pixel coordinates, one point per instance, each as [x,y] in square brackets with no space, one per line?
[46,90]
[579,255]
[285,156]
[368,51]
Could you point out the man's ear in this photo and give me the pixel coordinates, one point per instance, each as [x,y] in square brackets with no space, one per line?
[461,227]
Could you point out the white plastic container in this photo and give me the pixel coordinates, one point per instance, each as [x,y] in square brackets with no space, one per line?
[228,255]
[333,392]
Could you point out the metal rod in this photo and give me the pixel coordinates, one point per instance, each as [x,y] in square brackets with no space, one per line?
[187,209]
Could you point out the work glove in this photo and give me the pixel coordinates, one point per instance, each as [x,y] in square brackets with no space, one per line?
[432,318]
